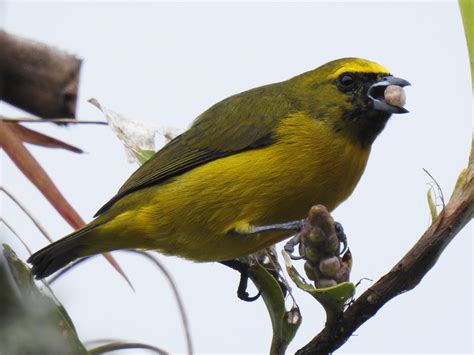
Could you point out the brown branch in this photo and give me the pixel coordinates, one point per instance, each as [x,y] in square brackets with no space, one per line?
[37,78]
[407,273]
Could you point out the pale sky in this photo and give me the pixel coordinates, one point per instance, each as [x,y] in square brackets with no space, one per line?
[168,62]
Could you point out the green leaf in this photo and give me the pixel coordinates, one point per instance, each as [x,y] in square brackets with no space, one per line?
[467,13]
[284,323]
[143,155]
[332,298]
[431,205]
[31,321]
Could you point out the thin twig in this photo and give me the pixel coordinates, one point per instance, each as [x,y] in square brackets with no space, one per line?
[14,232]
[28,213]
[123,346]
[53,120]
[184,318]
[30,167]
[407,273]
[440,192]
[70,267]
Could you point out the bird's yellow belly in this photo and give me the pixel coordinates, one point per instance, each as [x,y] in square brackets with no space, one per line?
[307,165]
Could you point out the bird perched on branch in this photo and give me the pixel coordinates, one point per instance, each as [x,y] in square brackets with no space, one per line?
[225,187]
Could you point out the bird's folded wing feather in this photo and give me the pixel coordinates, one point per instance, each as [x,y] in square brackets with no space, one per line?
[238,123]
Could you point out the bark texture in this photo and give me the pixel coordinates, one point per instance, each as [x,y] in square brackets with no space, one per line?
[37,78]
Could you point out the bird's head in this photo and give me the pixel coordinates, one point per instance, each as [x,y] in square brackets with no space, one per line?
[355,96]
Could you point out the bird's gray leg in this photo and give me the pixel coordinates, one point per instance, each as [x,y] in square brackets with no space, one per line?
[296,226]
[279,227]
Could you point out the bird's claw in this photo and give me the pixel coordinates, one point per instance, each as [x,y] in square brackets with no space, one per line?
[290,247]
[242,288]
[243,282]
[341,236]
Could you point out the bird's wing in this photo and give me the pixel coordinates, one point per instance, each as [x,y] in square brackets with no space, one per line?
[238,123]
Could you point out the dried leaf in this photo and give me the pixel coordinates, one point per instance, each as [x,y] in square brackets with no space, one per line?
[137,137]
[30,167]
[33,137]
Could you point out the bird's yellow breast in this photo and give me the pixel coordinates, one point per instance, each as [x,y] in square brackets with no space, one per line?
[308,164]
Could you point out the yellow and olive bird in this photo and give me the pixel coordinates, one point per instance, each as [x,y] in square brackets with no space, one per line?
[259,158]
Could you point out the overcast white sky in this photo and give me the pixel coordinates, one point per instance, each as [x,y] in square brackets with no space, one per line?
[168,62]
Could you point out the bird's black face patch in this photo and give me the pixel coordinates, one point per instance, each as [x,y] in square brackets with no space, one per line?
[369,121]
[356,86]
[347,82]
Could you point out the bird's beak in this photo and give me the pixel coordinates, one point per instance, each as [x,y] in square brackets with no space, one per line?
[388,95]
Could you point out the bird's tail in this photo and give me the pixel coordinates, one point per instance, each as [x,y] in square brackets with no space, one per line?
[60,253]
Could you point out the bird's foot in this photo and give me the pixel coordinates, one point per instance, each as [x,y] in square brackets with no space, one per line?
[341,236]
[242,268]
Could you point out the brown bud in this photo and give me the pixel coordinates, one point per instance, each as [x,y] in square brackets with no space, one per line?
[319,216]
[342,275]
[344,271]
[311,271]
[330,266]
[331,246]
[312,255]
[314,236]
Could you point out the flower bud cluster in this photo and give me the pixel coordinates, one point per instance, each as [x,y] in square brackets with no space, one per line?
[319,246]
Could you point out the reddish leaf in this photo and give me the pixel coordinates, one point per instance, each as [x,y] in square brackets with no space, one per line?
[23,159]
[33,137]
[34,172]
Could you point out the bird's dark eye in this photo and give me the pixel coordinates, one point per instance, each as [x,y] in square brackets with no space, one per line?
[346,81]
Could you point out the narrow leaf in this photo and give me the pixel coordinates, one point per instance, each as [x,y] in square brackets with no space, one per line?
[29,166]
[33,137]
[284,323]
[467,13]
[36,174]
[431,205]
